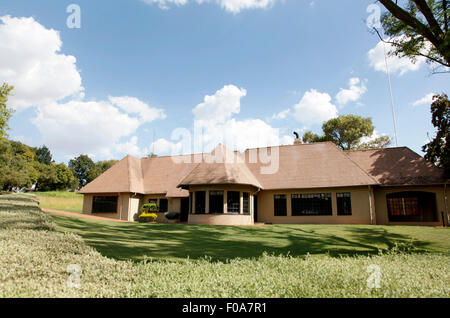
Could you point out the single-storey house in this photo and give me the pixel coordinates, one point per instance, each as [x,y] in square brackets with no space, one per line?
[298,184]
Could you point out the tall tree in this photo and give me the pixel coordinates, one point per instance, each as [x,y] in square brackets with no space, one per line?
[438,150]
[99,168]
[5,112]
[81,166]
[43,155]
[418,28]
[347,132]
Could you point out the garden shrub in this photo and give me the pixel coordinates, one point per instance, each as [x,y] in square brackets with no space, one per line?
[149,207]
[147,217]
[172,215]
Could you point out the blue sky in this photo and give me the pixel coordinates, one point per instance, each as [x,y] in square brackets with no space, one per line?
[135,71]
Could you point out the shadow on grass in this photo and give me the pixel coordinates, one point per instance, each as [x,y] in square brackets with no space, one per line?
[132,241]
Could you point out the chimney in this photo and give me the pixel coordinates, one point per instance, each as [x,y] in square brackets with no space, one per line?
[297,140]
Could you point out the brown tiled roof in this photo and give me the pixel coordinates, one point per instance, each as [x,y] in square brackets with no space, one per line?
[124,176]
[307,166]
[222,167]
[162,174]
[397,166]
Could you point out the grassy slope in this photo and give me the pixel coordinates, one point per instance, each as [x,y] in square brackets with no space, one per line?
[34,259]
[170,241]
[59,200]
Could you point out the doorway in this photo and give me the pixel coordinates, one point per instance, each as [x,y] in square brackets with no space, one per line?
[184,210]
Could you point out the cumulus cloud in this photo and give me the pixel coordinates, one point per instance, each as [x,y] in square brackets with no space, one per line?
[30,60]
[426,100]
[220,106]
[163,146]
[397,65]
[131,147]
[214,123]
[282,115]
[314,108]
[233,6]
[132,105]
[356,90]
[83,127]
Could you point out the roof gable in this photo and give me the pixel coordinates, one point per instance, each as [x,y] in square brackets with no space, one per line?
[397,166]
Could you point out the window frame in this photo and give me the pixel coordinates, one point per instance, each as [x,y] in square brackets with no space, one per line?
[246,203]
[105,196]
[166,205]
[308,199]
[238,203]
[421,200]
[342,196]
[279,197]
[203,208]
[216,193]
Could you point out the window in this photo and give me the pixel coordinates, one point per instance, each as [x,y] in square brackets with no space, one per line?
[280,205]
[234,202]
[200,202]
[311,204]
[163,205]
[245,203]
[344,203]
[104,204]
[191,195]
[412,206]
[215,201]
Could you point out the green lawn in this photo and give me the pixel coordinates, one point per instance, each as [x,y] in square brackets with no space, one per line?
[136,241]
[61,200]
[35,254]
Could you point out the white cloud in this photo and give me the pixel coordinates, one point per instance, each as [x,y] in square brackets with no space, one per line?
[426,100]
[233,6]
[131,148]
[132,105]
[282,115]
[163,146]
[214,124]
[84,127]
[214,119]
[30,61]
[314,108]
[356,90]
[400,65]
[368,139]
[220,106]
[42,77]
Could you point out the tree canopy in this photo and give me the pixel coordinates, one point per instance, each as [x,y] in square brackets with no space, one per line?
[43,155]
[418,28]
[81,166]
[438,150]
[5,112]
[347,132]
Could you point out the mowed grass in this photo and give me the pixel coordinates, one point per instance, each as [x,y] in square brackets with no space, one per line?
[34,257]
[61,200]
[137,241]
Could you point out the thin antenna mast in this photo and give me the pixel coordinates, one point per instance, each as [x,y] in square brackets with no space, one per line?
[390,92]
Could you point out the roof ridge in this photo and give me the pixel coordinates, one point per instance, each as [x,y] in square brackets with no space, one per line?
[357,165]
[129,172]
